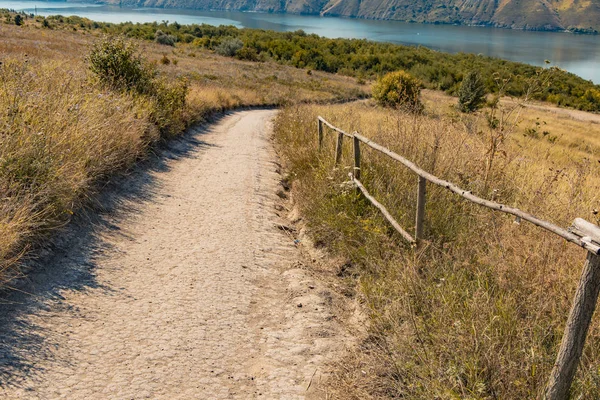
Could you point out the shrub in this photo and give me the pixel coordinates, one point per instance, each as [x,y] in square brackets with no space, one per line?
[169,105]
[116,63]
[471,94]
[229,47]
[165,60]
[18,20]
[247,53]
[398,89]
[163,38]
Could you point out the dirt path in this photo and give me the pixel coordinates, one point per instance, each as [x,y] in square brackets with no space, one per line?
[438,97]
[186,289]
[574,114]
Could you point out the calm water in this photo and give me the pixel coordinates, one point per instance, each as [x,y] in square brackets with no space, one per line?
[579,54]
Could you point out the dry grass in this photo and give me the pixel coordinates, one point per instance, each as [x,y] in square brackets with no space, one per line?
[569,133]
[58,136]
[61,133]
[479,312]
[243,83]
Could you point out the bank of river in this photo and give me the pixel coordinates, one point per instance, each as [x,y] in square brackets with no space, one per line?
[579,54]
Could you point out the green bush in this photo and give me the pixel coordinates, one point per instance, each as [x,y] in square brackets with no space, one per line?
[116,63]
[169,104]
[247,53]
[471,95]
[163,38]
[229,46]
[398,89]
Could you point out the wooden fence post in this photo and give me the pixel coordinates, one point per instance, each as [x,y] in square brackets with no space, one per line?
[582,233]
[576,330]
[338,148]
[356,146]
[420,219]
[320,133]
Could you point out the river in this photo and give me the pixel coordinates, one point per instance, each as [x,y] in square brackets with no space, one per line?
[579,54]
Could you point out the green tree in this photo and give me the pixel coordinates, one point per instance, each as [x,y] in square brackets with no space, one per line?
[471,95]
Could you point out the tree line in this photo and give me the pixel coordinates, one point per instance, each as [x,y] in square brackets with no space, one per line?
[359,58]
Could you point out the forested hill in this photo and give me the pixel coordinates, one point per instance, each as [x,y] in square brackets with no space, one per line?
[573,15]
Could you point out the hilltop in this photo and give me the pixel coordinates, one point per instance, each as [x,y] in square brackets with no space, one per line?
[476,312]
[547,15]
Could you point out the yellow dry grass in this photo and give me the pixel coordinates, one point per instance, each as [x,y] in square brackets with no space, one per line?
[58,136]
[567,133]
[61,133]
[479,312]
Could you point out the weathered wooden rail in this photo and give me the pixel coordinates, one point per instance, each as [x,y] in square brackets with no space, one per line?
[581,233]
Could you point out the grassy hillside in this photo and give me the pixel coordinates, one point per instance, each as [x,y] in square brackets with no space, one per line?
[63,131]
[357,58]
[577,16]
[478,312]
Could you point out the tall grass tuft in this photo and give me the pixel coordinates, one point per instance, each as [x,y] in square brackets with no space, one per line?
[58,135]
[68,123]
[478,313]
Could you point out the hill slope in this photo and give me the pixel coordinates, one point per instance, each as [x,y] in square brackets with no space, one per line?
[573,15]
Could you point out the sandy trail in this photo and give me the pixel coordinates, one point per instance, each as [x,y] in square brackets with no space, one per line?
[184,289]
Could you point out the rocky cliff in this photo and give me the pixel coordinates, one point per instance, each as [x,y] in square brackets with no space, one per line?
[573,15]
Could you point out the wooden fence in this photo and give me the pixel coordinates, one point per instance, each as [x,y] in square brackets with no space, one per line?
[581,233]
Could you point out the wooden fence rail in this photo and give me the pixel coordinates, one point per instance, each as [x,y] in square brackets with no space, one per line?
[581,233]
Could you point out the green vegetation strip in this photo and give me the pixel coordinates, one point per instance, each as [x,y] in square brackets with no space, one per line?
[362,59]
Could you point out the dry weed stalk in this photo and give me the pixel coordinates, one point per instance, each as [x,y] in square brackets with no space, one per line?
[61,133]
[479,312]
[503,118]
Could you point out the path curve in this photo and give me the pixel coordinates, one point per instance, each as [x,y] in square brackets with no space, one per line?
[192,291]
